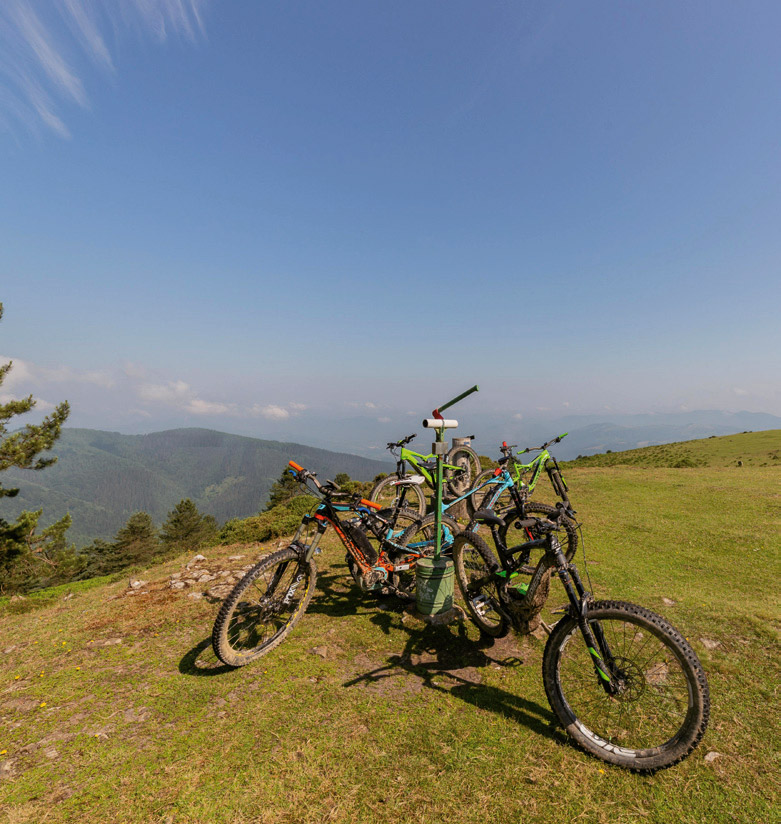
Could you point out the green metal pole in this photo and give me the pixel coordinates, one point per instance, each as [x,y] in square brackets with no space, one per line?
[438,500]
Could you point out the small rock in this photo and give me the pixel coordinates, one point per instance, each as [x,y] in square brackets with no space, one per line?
[9,649]
[176,575]
[15,598]
[196,560]
[137,584]
[51,753]
[195,595]
[109,642]
[220,591]
[668,602]
[321,651]
[712,756]
[177,585]
[204,579]
[235,557]
[225,573]
[68,597]
[708,643]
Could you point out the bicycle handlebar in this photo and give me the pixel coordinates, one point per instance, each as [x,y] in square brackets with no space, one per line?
[403,441]
[557,439]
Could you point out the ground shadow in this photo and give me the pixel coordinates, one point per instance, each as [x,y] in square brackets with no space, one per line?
[444,659]
[338,596]
[202,661]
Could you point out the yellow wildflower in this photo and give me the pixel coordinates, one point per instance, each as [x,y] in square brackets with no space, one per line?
[17,677]
[3,752]
[43,703]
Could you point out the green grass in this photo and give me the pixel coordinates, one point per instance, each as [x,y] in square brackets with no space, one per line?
[388,720]
[750,448]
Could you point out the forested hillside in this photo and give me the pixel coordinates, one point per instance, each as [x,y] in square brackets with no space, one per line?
[101,478]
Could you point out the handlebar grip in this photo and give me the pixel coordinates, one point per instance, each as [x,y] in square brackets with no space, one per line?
[370,504]
[295,466]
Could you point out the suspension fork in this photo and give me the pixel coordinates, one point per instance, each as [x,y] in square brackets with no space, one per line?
[593,636]
[306,551]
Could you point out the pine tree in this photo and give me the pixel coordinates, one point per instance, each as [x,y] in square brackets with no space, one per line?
[187,529]
[283,490]
[137,542]
[19,544]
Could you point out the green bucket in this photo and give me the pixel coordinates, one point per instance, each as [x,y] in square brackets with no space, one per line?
[434,585]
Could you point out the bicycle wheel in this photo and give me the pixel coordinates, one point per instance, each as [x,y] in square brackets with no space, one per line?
[512,535]
[263,607]
[661,709]
[468,463]
[475,566]
[421,538]
[387,492]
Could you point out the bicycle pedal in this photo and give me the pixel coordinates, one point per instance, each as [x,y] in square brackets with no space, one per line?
[479,603]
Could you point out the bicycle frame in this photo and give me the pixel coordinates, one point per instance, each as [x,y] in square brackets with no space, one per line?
[327,513]
[410,457]
[540,463]
[578,598]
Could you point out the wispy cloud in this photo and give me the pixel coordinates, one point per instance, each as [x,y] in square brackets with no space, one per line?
[271,411]
[26,374]
[43,44]
[134,387]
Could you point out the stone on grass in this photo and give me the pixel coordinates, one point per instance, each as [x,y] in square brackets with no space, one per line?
[668,602]
[712,756]
[709,643]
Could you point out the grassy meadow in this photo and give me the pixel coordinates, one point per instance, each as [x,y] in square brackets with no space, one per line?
[114,709]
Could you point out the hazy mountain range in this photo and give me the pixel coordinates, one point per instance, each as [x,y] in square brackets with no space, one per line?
[588,434]
[101,478]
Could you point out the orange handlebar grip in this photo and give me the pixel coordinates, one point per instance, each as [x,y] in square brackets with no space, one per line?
[295,466]
[371,504]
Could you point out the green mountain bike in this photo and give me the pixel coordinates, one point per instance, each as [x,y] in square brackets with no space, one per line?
[482,489]
[461,467]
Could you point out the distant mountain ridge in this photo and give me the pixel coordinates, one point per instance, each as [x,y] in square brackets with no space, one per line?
[101,478]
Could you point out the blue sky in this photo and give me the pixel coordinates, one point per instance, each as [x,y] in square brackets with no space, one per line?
[248,214]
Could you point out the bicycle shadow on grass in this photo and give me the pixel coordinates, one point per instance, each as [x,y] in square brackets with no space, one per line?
[447,661]
[338,596]
[201,661]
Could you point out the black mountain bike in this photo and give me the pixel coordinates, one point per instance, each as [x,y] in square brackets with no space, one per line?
[273,596]
[623,682]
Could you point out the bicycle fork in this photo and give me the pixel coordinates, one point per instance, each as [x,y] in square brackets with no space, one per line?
[593,636]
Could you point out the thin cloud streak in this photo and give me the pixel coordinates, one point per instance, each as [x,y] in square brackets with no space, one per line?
[39,55]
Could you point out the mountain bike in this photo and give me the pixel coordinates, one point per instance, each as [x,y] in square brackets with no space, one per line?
[461,467]
[623,682]
[273,596]
[519,470]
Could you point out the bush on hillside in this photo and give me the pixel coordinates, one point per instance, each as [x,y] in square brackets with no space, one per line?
[282,519]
